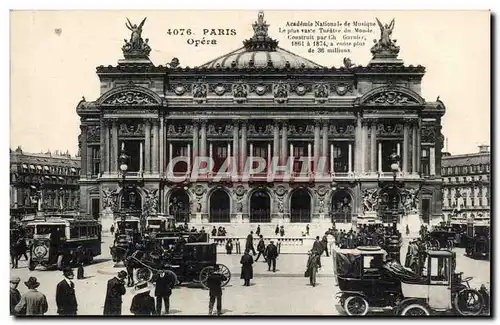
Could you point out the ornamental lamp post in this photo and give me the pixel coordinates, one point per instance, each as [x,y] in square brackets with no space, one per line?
[123,163]
[395,159]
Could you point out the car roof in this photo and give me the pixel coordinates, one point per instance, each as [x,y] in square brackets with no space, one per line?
[440,253]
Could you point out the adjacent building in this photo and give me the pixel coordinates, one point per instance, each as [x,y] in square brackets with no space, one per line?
[466,185]
[260,102]
[43,181]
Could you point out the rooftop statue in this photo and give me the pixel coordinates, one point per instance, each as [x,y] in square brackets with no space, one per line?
[136,47]
[385,46]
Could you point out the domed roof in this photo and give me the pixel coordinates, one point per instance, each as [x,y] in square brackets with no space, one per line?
[260,51]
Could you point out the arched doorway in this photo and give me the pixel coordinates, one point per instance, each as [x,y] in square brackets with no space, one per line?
[131,200]
[260,207]
[178,205]
[300,206]
[220,210]
[341,207]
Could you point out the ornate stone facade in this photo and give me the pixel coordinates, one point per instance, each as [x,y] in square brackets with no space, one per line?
[343,119]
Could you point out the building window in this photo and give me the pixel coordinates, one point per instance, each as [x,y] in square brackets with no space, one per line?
[220,154]
[180,150]
[96,160]
[260,149]
[133,150]
[299,151]
[341,157]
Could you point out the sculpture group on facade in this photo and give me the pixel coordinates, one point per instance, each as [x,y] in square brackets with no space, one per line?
[151,201]
[385,46]
[109,199]
[136,47]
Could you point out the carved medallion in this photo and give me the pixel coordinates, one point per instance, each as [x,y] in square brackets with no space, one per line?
[179,89]
[199,190]
[322,190]
[219,89]
[342,88]
[240,190]
[301,89]
[259,89]
[280,190]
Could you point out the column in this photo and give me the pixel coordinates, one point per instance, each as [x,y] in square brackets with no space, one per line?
[292,155]
[269,157]
[414,149]
[350,158]
[196,136]
[115,145]
[324,147]
[162,144]
[229,155]
[419,150]
[243,149]
[147,147]
[332,170]
[170,157]
[357,145]
[364,145]
[141,152]
[380,157]
[398,149]
[211,155]
[154,147]
[203,140]
[373,147]
[236,138]
[406,152]
[83,149]
[284,143]
[189,158]
[316,144]
[432,160]
[276,140]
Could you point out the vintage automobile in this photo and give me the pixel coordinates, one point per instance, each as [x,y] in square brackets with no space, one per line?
[441,237]
[477,238]
[127,235]
[159,223]
[58,239]
[193,263]
[368,282]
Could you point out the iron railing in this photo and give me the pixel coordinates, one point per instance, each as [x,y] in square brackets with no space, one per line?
[300,215]
[260,215]
[220,215]
[341,217]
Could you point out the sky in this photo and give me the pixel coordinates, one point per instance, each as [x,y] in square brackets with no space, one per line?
[54,55]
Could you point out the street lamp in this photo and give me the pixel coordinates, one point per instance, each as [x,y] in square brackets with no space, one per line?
[394,159]
[123,162]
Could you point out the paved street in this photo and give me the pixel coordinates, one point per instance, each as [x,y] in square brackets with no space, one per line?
[285,292]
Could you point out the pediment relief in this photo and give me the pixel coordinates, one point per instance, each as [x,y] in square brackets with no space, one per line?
[391,96]
[130,96]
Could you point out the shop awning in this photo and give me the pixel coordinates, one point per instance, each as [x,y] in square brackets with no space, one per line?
[38,167]
[25,166]
[32,167]
[46,167]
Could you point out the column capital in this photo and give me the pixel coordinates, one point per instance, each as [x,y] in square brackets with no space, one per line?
[243,122]
[369,121]
[317,122]
[284,124]
[236,123]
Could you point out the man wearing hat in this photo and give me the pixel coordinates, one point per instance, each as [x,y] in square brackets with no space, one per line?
[15,296]
[34,302]
[142,303]
[214,284]
[114,293]
[163,291]
[65,294]
[271,254]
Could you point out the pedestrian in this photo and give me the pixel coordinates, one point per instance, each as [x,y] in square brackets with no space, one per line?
[277,230]
[282,231]
[238,246]
[271,254]
[32,302]
[79,260]
[246,268]
[22,249]
[307,229]
[112,230]
[214,231]
[229,246]
[65,295]
[324,242]
[261,248]
[407,230]
[142,303]
[163,291]
[258,230]
[14,255]
[115,291]
[15,296]
[249,243]
[318,246]
[214,284]
[313,263]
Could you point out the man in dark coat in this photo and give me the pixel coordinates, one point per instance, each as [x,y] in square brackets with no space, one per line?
[114,293]
[324,242]
[249,244]
[271,254]
[142,303]
[65,295]
[246,268]
[214,284]
[261,248]
[15,296]
[163,291]
[277,230]
[258,230]
[317,246]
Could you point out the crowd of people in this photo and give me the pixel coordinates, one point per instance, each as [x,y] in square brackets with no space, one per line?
[220,232]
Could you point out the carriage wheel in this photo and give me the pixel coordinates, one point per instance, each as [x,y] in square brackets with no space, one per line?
[356,306]
[144,274]
[225,271]
[205,272]
[469,302]
[416,309]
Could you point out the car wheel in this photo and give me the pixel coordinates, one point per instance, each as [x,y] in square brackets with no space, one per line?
[415,309]
[356,306]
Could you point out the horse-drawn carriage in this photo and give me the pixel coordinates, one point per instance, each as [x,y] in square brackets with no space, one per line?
[193,262]
[367,281]
[127,235]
